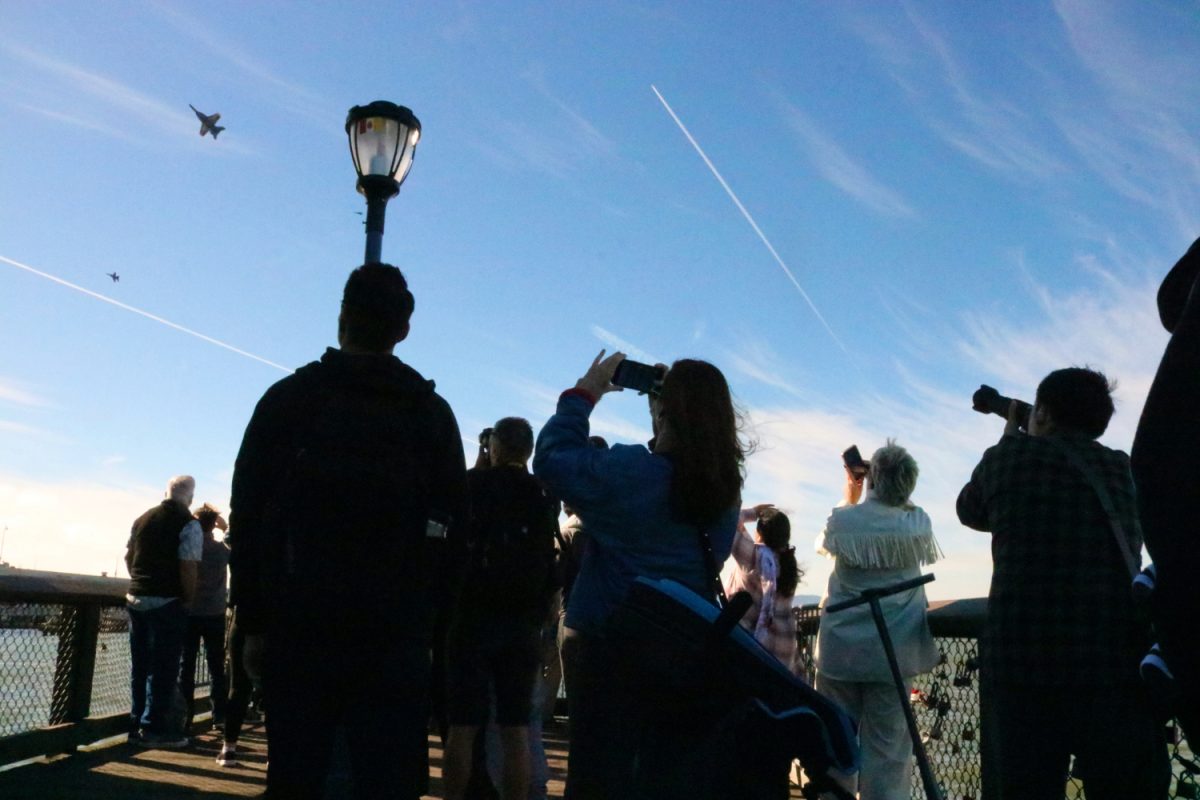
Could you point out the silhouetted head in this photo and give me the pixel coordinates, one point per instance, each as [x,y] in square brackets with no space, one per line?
[376,309]
[697,427]
[1073,400]
[511,441]
[207,515]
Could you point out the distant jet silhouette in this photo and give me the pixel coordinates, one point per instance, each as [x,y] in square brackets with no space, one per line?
[208,122]
[116,278]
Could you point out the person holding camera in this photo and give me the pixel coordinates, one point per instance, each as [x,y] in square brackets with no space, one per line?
[1063,639]
[876,543]
[646,511]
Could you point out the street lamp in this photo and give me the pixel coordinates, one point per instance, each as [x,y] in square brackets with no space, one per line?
[383,138]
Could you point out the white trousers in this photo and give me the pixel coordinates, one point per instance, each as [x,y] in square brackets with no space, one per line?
[887,765]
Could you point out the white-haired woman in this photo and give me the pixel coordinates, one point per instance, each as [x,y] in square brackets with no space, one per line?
[881,541]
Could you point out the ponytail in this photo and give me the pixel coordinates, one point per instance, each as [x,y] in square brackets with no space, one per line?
[789,572]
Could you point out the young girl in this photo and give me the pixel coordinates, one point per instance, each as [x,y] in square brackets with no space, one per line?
[764,565]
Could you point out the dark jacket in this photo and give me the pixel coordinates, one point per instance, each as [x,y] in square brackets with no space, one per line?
[153,556]
[1060,611]
[341,469]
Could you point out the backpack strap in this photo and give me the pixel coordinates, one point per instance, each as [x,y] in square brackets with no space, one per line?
[1114,521]
[710,565]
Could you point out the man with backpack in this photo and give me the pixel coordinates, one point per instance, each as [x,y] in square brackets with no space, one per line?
[347,493]
[494,641]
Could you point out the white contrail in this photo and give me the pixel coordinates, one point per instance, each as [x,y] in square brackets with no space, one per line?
[749,218]
[146,314]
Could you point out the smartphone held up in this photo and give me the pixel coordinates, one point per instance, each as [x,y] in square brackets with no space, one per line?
[854,462]
[644,378]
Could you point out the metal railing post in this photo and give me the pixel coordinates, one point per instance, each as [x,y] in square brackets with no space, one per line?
[75,665]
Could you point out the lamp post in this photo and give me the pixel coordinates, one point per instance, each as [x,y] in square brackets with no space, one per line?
[383,139]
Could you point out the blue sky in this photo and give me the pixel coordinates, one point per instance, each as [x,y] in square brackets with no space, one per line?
[966,192]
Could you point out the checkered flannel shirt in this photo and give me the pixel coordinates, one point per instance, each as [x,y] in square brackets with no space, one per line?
[1060,610]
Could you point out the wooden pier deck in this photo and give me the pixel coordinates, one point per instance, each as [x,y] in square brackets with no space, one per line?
[126,772]
[123,771]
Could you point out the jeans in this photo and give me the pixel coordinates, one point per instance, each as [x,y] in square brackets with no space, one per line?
[155,646]
[210,629]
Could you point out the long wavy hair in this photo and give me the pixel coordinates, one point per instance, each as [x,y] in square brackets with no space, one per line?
[706,448]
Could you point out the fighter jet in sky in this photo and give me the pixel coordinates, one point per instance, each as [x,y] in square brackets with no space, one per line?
[208,122]
[115,277]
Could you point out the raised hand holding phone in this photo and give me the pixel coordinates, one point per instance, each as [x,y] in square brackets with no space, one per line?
[856,473]
[598,380]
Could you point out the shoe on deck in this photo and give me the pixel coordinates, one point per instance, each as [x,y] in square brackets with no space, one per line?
[164,741]
[228,756]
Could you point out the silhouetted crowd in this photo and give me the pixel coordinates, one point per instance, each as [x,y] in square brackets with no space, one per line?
[379,590]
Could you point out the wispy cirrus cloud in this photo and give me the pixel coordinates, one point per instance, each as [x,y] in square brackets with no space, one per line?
[1109,323]
[560,143]
[80,122]
[14,392]
[1002,134]
[835,165]
[294,96]
[8,426]
[78,87]
[589,136]
[614,343]
[754,359]
[994,131]
[1141,138]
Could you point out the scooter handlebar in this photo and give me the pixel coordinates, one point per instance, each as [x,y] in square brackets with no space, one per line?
[883,591]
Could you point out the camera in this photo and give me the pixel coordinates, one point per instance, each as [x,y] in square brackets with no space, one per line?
[987,400]
[639,377]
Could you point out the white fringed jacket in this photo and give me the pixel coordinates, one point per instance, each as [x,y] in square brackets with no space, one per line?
[875,545]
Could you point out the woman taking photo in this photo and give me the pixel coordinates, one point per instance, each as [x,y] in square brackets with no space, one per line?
[879,542]
[647,511]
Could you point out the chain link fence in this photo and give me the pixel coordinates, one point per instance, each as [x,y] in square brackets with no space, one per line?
[40,657]
[29,646]
[946,706]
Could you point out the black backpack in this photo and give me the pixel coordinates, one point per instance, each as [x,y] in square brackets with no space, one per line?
[511,539]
